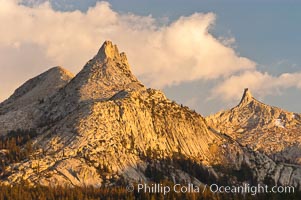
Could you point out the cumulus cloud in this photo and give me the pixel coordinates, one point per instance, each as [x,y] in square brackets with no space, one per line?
[35,38]
[261,84]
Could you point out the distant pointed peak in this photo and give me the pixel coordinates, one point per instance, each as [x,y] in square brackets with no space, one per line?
[246,97]
[39,87]
[61,70]
[108,50]
[58,68]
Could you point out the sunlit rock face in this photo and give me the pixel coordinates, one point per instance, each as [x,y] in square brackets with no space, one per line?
[103,127]
[263,128]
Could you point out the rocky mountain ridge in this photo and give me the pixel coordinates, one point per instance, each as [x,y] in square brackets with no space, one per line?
[264,128]
[20,109]
[103,127]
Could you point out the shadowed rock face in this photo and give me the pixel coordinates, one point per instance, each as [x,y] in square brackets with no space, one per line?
[104,126]
[19,110]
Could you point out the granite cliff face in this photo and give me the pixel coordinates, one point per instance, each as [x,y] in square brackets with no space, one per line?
[104,127]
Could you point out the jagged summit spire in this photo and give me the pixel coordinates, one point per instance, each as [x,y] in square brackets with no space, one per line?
[246,97]
[104,75]
[109,50]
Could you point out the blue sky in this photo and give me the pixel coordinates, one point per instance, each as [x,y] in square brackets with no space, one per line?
[266,32]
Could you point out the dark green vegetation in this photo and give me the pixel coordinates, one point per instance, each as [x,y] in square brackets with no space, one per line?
[25,192]
[15,147]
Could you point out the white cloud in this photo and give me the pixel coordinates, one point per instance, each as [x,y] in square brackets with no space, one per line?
[260,84]
[35,38]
